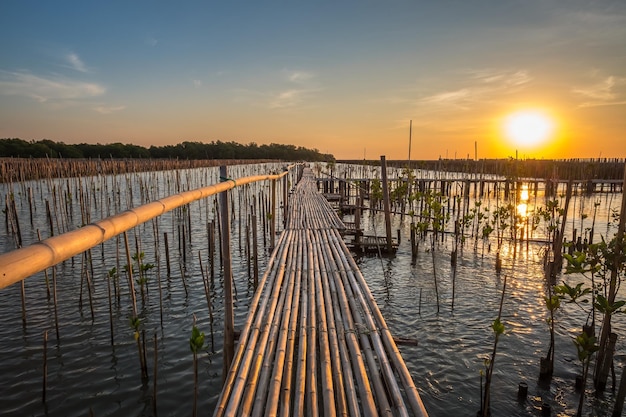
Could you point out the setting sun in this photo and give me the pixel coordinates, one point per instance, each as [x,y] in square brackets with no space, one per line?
[528,128]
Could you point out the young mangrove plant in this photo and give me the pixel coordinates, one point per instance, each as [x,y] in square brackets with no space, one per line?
[585,347]
[498,330]
[604,263]
[434,217]
[135,323]
[143,269]
[196,343]
[546,365]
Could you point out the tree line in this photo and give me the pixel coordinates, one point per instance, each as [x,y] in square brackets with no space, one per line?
[46,148]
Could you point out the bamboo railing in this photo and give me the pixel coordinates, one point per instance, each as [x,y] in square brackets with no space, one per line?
[24,262]
[314,341]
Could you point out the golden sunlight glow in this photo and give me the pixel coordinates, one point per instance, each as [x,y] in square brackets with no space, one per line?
[522,207]
[528,128]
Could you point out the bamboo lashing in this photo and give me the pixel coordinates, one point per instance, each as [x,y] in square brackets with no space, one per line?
[314,341]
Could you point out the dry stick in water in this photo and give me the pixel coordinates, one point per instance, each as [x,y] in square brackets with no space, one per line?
[109,277]
[208,299]
[45,272]
[154,373]
[167,255]
[45,365]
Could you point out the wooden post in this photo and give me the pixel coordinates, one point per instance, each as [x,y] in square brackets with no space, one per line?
[229,323]
[357,217]
[383,171]
[255,250]
[273,219]
[285,197]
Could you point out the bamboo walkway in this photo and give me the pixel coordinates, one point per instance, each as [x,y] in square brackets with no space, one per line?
[314,342]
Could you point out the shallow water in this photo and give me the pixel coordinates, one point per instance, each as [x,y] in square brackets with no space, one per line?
[85,372]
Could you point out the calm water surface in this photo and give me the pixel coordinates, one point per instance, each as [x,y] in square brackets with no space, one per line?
[86,373]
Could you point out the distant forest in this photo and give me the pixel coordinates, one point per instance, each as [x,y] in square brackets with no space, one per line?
[19,148]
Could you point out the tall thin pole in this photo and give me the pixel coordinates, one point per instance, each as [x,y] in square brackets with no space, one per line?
[383,170]
[229,323]
[273,219]
[410,132]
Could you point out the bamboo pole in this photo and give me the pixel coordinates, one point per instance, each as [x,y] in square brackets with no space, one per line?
[383,171]
[24,262]
[229,324]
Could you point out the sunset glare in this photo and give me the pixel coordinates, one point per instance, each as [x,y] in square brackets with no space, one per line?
[529,129]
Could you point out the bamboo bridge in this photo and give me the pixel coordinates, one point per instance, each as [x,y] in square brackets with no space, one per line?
[314,341]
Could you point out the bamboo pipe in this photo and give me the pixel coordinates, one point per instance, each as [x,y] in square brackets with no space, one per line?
[24,262]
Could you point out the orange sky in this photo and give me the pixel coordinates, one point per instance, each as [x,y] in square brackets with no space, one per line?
[336,77]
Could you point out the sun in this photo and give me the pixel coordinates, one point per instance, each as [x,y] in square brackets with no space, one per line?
[528,128]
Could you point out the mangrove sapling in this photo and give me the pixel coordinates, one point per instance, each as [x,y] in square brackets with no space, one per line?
[135,323]
[498,329]
[143,268]
[546,367]
[435,217]
[605,262]
[196,343]
[585,347]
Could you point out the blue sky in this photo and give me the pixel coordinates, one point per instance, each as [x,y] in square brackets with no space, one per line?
[343,77]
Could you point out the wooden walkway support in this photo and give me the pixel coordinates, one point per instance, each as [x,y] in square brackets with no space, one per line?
[314,341]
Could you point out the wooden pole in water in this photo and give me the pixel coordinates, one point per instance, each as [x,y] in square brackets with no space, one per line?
[229,323]
[45,365]
[255,251]
[383,171]
[273,219]
[167,255]
[154,376]
[285,198]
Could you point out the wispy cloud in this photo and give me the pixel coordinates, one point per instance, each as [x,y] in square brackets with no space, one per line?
[151,41]
[478,86]
[197,83]
[294,89]
[45,89]
[502,79]
[108,109]
[602,93]
[75,62]
[288,98]
[299,76]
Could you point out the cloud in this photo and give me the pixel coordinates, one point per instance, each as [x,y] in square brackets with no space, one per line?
[501,78]
[292,89]
[151,41]
[108,109]
[75,62]
[288,98]
[299,76]
[45,89]
[292,97]
[602,93]
[197,83]
[479,86]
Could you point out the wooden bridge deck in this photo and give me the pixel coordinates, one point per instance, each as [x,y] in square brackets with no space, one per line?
[314,342]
